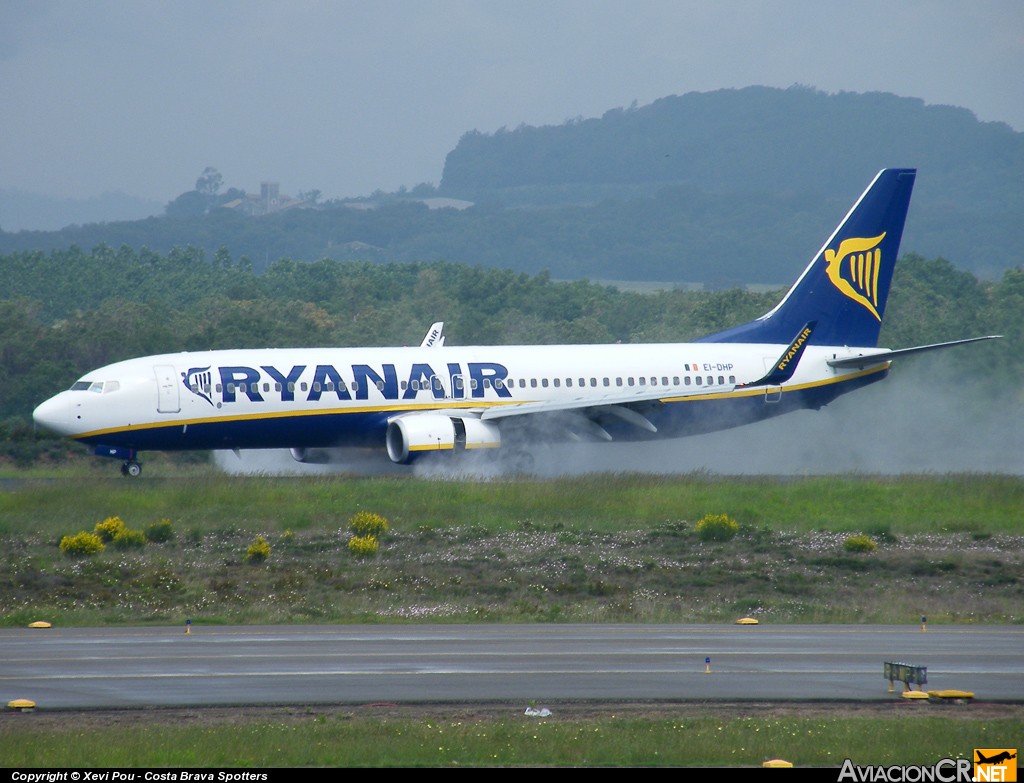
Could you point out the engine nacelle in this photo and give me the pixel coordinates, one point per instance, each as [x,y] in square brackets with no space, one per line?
[422,433]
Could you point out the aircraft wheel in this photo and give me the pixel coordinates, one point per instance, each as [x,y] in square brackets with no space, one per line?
[132,469]
[520,461]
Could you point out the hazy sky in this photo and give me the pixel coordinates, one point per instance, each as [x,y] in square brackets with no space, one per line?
[349,97]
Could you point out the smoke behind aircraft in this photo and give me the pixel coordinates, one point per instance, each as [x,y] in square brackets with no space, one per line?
[910,423]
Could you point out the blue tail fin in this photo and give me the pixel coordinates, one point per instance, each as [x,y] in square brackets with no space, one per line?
[845,287]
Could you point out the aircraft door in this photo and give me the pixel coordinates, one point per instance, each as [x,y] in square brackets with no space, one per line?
[167,389]
[771,393]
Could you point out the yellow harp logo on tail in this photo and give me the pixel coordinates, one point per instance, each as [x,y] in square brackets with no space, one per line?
[853,269]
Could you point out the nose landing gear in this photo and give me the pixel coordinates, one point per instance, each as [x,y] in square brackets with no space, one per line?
[131,468]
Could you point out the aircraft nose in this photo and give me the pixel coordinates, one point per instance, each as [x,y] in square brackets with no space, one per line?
[53,415]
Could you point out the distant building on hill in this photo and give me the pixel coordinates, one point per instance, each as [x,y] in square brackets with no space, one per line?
[268,201]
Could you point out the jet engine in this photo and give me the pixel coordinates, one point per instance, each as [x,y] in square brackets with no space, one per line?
[413,435]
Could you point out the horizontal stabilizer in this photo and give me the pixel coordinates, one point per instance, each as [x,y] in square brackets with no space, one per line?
[881,357]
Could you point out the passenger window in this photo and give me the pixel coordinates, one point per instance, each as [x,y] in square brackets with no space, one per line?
[568,382]
[558,383]
[711,380]
[380,385]
[544,382]
[593,381]
[266,387]
[522,383]
[533,383]
[643,381]
[629,381]
[304,386]
[686,381]
[316,386]
[721,380]
[700,381]
[618,381]
[606,382]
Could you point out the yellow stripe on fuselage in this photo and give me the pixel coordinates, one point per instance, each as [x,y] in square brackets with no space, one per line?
[453,404]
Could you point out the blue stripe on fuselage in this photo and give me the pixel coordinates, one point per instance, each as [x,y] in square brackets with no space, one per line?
[337,427]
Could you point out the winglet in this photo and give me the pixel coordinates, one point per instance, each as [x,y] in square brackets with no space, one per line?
[434,337]
[786,365]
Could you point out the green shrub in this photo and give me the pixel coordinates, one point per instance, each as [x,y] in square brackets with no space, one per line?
[109,528]
[258,551]
[129,539]
[82,544]
[363,546]
[859,543]
[717,527]
[160,532]
[366,523]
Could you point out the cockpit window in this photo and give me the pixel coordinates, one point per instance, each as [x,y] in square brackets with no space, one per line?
[97,387]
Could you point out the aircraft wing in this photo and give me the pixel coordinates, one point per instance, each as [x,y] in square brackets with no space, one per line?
[883,356]
[585,411]
[620,404]
[602,402]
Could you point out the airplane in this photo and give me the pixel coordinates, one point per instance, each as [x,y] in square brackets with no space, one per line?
[996,759]
[818,342]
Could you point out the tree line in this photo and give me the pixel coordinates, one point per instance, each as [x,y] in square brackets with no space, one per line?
[68,312]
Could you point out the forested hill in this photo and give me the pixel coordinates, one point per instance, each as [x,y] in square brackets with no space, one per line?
[721,188]
[757,140]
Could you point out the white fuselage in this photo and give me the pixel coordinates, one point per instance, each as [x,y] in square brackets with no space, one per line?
[302,398]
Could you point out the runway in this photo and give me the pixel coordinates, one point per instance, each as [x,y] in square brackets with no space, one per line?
[249,665]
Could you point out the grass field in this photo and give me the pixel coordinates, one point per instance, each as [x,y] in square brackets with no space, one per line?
[502,736]
[612,548]
[620,548]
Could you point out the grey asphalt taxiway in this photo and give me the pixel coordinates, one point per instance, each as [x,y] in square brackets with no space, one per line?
[221,665]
